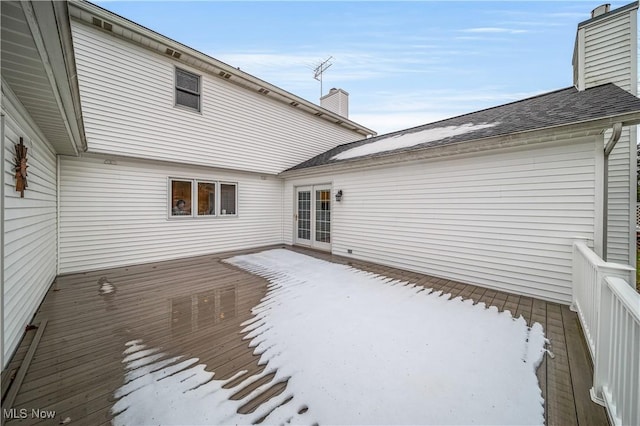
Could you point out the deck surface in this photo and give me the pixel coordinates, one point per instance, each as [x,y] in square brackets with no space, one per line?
[78,365]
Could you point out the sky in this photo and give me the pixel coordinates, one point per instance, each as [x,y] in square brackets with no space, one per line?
[403,63]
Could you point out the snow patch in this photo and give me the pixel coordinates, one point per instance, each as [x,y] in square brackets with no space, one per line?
[355,348]
[105,286]
[407,140]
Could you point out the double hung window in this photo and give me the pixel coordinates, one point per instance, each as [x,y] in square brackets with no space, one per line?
[187,89]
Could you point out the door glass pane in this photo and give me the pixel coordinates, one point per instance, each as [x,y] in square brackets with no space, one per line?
[323,216]
[304,215]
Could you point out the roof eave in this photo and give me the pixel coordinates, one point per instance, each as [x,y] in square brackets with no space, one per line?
[50,31]
[238,77]
[530,137]
[72,87]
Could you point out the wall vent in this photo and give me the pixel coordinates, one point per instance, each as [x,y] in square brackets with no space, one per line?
[294,103]
[263,91]
[224,74]
[102,24]
[173,53]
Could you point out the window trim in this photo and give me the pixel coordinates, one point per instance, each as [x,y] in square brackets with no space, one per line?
[194,198]
[176,89]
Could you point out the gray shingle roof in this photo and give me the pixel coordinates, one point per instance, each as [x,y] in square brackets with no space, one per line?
[561,107]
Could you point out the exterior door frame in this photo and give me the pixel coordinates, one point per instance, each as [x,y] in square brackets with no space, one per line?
[319,219]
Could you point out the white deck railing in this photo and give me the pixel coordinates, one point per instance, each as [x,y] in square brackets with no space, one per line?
[609,312]
[616,377]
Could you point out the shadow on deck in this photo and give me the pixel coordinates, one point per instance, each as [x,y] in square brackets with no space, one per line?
[194,307]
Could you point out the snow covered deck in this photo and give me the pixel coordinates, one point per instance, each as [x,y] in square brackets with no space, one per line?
[194,308]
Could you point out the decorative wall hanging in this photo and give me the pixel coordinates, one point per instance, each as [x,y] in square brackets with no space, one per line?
[21,168]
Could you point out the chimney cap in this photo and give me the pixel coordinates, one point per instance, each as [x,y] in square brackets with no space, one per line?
[332,91]
[601,10]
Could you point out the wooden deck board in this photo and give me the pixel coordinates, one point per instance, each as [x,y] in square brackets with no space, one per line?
[579,360]
[561,405]
[539,315]
[79,363]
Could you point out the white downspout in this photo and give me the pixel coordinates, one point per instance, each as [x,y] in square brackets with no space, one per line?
[611,143]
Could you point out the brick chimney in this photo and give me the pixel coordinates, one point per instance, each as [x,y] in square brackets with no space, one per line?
[337,100]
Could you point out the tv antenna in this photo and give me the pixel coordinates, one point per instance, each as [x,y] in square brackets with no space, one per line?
[320,69]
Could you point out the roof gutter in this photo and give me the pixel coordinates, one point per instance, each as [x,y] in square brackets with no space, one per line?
[611,143]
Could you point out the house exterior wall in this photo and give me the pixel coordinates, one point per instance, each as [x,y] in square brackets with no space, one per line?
[115,212]
[29,238]
[609,51]
[503,220]
[128,107]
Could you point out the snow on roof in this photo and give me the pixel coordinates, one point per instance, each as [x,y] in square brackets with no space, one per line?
[406,140]
[354,348]
[551,111]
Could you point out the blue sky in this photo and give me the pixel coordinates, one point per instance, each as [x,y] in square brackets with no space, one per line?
[403,63]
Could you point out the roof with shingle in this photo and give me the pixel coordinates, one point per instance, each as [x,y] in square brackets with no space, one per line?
[554,109]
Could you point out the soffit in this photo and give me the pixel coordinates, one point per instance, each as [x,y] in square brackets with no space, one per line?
[24,71]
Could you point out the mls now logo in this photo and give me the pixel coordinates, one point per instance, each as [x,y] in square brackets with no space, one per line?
[23,413]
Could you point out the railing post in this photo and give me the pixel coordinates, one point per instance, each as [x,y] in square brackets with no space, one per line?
[576,271]
[603,345]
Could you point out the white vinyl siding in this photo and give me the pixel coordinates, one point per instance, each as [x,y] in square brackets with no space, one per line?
[114,213]
[607,54]
[128,109]
[504,220]
[29,229]
[610,56]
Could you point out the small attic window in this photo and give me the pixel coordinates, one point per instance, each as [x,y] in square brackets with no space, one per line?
[187,89]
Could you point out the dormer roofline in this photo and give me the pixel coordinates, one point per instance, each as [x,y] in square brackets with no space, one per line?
[90,14]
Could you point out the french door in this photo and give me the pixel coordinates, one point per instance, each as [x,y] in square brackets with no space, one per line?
[313,216]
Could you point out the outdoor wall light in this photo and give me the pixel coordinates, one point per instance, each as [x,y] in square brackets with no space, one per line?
[339,195]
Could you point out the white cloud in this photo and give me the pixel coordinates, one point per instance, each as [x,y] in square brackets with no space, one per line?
[387,112]
[493,30]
